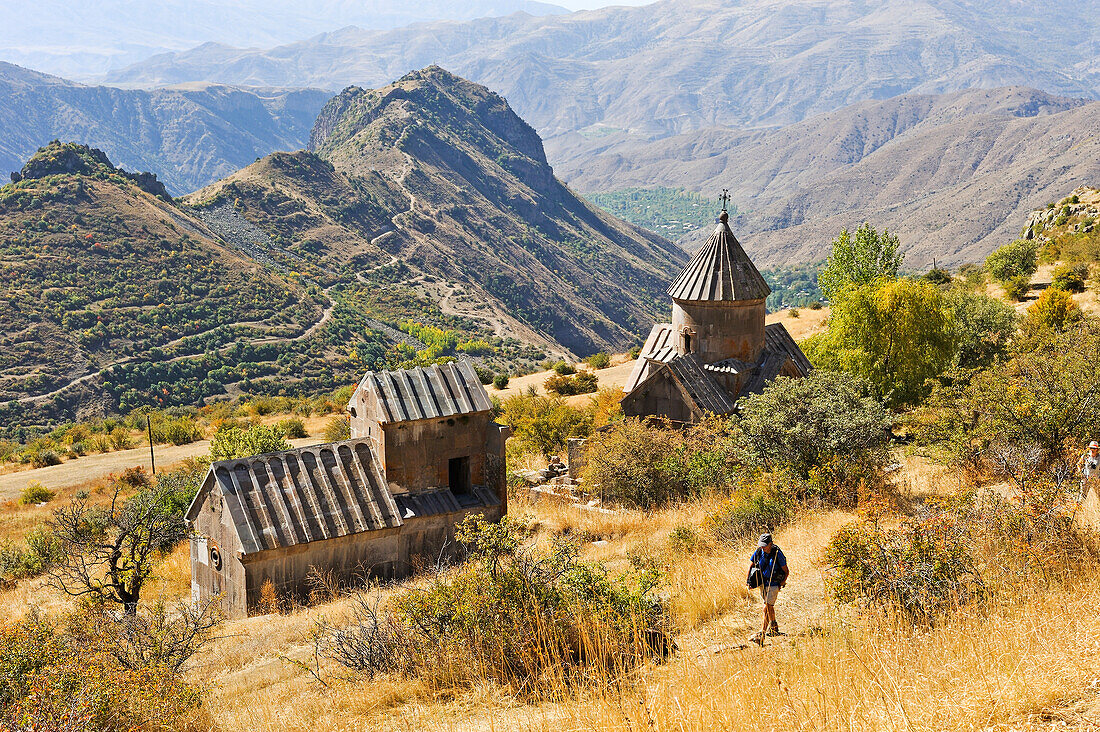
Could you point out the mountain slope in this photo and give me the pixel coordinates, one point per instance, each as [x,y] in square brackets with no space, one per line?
[101,269]
[434,183]
[954,174]
[188,136]
[89,37]
[681,65]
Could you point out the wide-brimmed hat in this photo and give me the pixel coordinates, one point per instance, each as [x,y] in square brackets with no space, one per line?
[1093,444]
[765,539]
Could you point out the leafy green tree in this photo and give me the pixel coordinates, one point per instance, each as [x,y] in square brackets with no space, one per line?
[797,425]
[859,260]
[234,442]
[897,335]
[983,328]
[1014,260]
[1045,400]
[543,424]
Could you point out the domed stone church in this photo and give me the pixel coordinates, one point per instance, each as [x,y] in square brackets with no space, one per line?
[717,347]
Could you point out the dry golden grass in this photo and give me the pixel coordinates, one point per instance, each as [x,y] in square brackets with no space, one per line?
[976,672]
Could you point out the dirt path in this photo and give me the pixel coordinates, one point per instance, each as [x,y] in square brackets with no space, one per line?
[801,605]
[93,467]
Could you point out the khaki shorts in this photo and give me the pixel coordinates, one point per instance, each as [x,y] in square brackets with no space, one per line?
[769,593]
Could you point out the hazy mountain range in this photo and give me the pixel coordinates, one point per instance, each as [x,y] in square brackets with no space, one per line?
[79,39]
[679,65]
[188,135]
[953,174]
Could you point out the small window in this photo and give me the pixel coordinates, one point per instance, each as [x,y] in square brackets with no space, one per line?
[458,470]
[687,342]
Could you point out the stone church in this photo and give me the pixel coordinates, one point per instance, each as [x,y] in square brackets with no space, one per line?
[424,453]
[717,347]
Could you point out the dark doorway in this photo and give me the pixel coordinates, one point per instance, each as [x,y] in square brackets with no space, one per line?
[459,475]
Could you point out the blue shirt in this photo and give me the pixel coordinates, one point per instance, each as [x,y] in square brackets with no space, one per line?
[768,561]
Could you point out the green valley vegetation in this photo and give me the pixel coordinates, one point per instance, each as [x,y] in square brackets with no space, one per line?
[793,286]
[670,212]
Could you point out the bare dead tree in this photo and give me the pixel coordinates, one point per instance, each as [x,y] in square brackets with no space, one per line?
[156,637]
[108,552]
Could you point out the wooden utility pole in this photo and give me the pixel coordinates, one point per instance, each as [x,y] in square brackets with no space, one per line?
[149,429]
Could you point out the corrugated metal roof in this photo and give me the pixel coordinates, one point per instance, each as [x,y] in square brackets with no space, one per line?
[441,390]
[707,394]
[309,494]
[720,271]
[320,492]
[779,340]
[768,368]
[434,503]
[658,346]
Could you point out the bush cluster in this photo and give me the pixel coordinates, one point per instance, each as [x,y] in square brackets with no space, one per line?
[62,678]
[538,622]
[583,383]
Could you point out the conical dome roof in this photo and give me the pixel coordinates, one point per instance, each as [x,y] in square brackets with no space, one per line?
[721,271]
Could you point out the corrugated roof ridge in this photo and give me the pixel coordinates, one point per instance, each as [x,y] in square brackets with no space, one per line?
[720,271]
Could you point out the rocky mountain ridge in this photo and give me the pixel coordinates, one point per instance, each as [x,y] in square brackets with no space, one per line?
[439,180]
[680,65]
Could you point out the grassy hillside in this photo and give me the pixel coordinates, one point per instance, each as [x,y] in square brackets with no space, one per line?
[99,271]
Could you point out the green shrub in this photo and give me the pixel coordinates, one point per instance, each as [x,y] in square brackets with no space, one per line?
[561,368]
[793,312]
[972,273]
[599,360]
[35,493]
[542,424]
[234,442]
[337,428]
[175,430]
[1013,261]
[921,571]
[293,428]
[42,457]
[1070,277]
[500,381]
[39,551]
[121,438]
[752,510]
[634,464]
[537,622]
[1017,287]
[584,383]
[823,426]
[815,305]
[938,276]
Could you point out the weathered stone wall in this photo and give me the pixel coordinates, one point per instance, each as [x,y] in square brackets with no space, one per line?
[387,553]
[721,329]
[216,538]
[415,455]
[663,397]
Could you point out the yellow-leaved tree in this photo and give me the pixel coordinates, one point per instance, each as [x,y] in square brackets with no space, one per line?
[896,334]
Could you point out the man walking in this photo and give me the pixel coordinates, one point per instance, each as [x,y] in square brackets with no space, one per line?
[1089,467]
[773,576]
